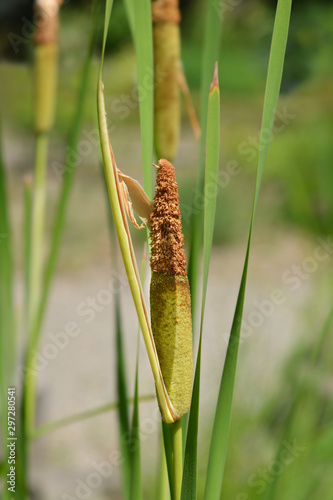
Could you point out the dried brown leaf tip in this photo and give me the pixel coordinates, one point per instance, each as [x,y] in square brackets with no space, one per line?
[167,254]
[215,79]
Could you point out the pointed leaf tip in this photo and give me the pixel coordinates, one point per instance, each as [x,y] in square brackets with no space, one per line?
[215,79]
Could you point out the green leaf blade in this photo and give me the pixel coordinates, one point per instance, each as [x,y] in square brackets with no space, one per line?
[7,333]
[124,427]
[189,486]
[273,84]
[7,337]
[210,192]
[211,172]
[167,441]
[219,441]
[210,55]
[220,433]
[135,448]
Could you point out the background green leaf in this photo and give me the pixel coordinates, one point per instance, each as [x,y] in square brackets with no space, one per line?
[210,55]
[7,331]
[210,194]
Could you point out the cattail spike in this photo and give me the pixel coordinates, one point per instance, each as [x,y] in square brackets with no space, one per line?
[170,300]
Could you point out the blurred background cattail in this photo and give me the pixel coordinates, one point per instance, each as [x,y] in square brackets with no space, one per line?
[166,46]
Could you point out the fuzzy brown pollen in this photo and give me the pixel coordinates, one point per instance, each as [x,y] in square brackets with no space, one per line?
[167,254]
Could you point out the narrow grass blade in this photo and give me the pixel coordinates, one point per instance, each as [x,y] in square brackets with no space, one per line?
[211,171]
[270,492]
[122,392]
[167,442]
[144,56]
[221,427]
[125,242]
[210,55]
[27,238]
[135,449]
[124,428]
[189,486]
[210,190]
[7,330]
[80,417]
[220,434]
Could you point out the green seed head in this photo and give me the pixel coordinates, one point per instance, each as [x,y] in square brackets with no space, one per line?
[170,305]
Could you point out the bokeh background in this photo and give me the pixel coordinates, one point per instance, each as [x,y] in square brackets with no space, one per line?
[294,218]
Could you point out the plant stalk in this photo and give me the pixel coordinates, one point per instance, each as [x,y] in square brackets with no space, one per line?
[37,226]
[177,443]
[35,271]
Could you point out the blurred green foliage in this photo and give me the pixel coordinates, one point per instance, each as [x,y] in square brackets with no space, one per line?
[303,462]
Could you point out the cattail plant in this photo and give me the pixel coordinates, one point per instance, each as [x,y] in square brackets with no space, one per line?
[45,72]
[168,339]
[170,302]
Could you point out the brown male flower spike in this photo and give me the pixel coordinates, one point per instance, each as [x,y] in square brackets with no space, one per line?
[170,301]
[167,254]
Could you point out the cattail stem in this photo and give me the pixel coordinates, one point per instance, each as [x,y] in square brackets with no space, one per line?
[35,271]
[163,489]
[177,444]
[37,223]
[27,187]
